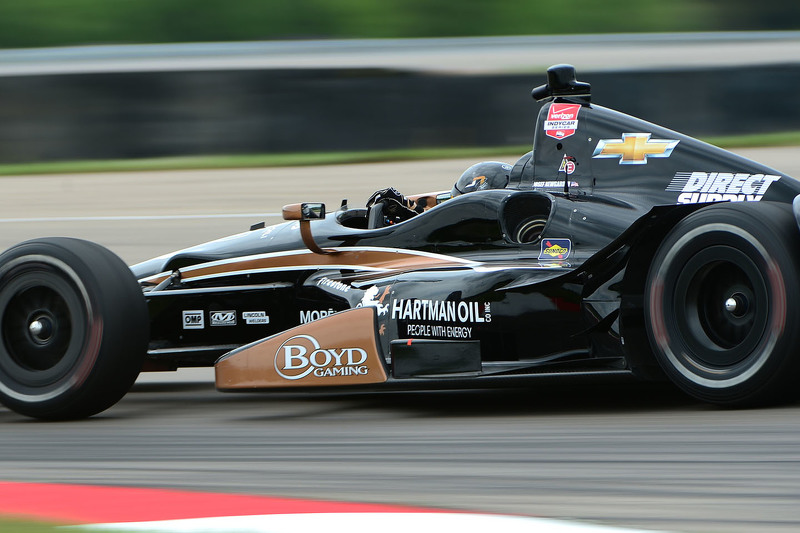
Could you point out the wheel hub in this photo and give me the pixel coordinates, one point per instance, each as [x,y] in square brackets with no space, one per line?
[720,302]
[737,305]
[36,325]
[41,329]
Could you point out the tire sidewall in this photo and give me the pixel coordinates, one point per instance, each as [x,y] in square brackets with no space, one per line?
[71,372]
[763,250]
[101,365]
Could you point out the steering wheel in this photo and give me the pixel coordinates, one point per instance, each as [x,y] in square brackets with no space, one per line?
[387,207]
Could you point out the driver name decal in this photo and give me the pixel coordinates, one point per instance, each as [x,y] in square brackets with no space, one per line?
[562,120]
[555,184]
[703,187]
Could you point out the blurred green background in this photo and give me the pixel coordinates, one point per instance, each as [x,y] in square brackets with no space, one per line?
[36,23]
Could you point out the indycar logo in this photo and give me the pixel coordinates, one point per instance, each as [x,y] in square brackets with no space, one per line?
[302,356]
[702,187]
[562,120]
[223,318]
[555,249]
[634,148]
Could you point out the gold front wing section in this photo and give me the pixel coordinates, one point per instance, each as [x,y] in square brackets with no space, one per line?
[341,349]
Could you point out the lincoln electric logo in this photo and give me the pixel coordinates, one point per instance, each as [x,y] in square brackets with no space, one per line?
[634,148]
[302,355]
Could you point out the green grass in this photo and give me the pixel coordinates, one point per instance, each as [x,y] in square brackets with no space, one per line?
[8,525]
[256,160]
[12,525]
[32,23]
[786,138]
[334,158]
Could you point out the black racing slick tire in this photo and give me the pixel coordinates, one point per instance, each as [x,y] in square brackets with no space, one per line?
[74,328]
[722,304]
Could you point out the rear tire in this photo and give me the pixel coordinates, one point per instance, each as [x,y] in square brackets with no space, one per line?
[722,304]
[74,328]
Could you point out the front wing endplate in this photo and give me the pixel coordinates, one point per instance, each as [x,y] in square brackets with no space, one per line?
[341,349]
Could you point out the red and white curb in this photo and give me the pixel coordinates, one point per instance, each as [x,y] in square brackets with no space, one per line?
[90,508]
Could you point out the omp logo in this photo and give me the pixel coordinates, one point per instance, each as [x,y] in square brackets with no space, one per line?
[193,319]
[302,355]
[634,148]
[223,318]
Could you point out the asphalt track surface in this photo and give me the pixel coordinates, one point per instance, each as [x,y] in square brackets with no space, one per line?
[616,452]
[454,55]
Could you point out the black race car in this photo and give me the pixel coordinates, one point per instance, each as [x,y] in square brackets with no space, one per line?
[614,246]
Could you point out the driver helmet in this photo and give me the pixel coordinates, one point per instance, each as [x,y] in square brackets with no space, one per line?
[482,176]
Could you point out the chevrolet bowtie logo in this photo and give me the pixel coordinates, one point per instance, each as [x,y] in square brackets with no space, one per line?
[634,148]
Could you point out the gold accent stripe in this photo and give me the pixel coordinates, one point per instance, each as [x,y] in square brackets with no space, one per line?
[376,258]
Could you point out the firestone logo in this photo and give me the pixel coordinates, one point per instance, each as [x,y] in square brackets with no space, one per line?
[302,355]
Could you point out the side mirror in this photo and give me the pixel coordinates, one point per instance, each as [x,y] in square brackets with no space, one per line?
[304,211]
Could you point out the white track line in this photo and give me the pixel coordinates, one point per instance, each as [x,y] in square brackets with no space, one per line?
[362,523]
[137,217]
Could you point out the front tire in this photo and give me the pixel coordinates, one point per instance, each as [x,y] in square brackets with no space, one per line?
[74,328]
[722,304]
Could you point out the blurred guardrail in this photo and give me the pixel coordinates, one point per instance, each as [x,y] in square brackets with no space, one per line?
[163,100]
